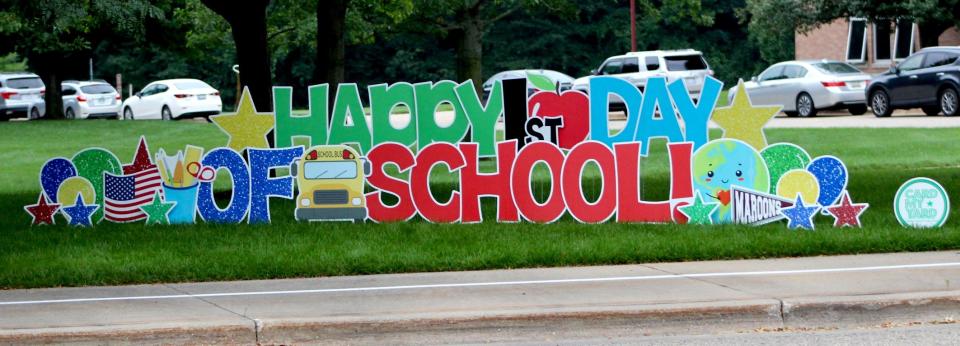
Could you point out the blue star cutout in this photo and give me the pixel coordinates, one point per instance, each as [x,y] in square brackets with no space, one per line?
[800,216]
[80,214]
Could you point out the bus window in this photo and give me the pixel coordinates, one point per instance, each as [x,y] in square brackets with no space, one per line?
[330,170]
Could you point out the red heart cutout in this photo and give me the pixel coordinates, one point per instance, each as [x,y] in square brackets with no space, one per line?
[571,105]
[724,196]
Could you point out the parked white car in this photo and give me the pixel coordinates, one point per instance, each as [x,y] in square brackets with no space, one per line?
[94,99]
[173,99]
[562,81]
[687,65]
[21,95]
[804,87]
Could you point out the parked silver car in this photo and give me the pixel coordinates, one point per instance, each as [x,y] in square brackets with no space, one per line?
[805,87]
[21,95]
[93,99]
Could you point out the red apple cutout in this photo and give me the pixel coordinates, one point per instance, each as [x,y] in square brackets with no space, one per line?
[572,106]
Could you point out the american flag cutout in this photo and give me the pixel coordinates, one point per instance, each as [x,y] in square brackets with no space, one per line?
[124,194]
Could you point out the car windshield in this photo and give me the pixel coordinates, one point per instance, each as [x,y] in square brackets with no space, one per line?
[330,170]
[97,89]
[835,67]
[191,85]
[685,63]
[25,83]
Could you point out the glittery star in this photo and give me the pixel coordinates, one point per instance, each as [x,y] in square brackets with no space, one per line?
[79,213]
[141,160]
[157,211]
[741,120]
[800,216]
[246,128]
[699,213]
[42,212]
[846,213]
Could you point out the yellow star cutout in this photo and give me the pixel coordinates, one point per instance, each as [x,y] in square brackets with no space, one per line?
[741,120]
[246,128]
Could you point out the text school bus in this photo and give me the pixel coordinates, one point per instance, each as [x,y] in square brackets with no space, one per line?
[331,180]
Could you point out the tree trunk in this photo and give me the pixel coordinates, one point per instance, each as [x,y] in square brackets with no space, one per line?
[248,23]
[331,42]
[47,67]
[469,37]
[52,97]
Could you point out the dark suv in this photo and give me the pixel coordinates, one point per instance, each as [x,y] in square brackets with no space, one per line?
[928,79]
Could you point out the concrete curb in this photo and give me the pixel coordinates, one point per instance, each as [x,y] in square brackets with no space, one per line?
[557,323]
[868,310]
[139,334]
[460,328]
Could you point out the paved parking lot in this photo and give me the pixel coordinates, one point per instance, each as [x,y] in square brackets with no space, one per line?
[908,118]
[903,118]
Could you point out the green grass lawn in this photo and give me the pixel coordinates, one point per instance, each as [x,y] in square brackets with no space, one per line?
[879,161]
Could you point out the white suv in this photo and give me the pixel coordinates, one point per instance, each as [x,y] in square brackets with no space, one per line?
[96,99]
[21,95]
[687,65]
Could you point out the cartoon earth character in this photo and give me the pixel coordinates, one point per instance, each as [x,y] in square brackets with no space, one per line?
[722,163]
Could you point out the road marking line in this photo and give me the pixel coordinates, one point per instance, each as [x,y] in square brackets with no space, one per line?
[493,283]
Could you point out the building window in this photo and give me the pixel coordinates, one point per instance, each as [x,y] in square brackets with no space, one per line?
[903,39]
[881,41]
[857,40]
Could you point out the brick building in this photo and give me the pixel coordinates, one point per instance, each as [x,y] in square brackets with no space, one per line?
[871,46]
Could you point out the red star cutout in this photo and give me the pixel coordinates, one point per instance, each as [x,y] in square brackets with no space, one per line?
[141,160]
[846,213]
[42,212]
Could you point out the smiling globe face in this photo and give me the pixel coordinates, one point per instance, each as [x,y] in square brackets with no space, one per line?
[722,163]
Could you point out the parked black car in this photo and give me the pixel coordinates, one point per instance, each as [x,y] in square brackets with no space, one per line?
[928,79]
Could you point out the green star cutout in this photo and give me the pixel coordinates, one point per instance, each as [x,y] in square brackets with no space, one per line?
[157,210]
[699,213]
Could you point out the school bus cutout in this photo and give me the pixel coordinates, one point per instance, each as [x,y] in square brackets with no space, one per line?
[331,180]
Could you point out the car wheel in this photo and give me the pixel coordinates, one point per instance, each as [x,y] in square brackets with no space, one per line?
[127,114]
[70,114]
[949,102]
[880,102]
[931,110]
[858,109]
[34,113]
[790,114]
[805,106]
[165,113]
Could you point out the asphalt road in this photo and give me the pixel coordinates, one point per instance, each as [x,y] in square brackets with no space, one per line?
[924,334]
[626,302]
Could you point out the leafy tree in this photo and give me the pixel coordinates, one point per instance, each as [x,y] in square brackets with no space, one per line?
[773,23]
[12,63]
[180,46]
[574,44]
[331,41]
[465,22]
[342,22]
[600,29]
[248,24]
[55,36]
